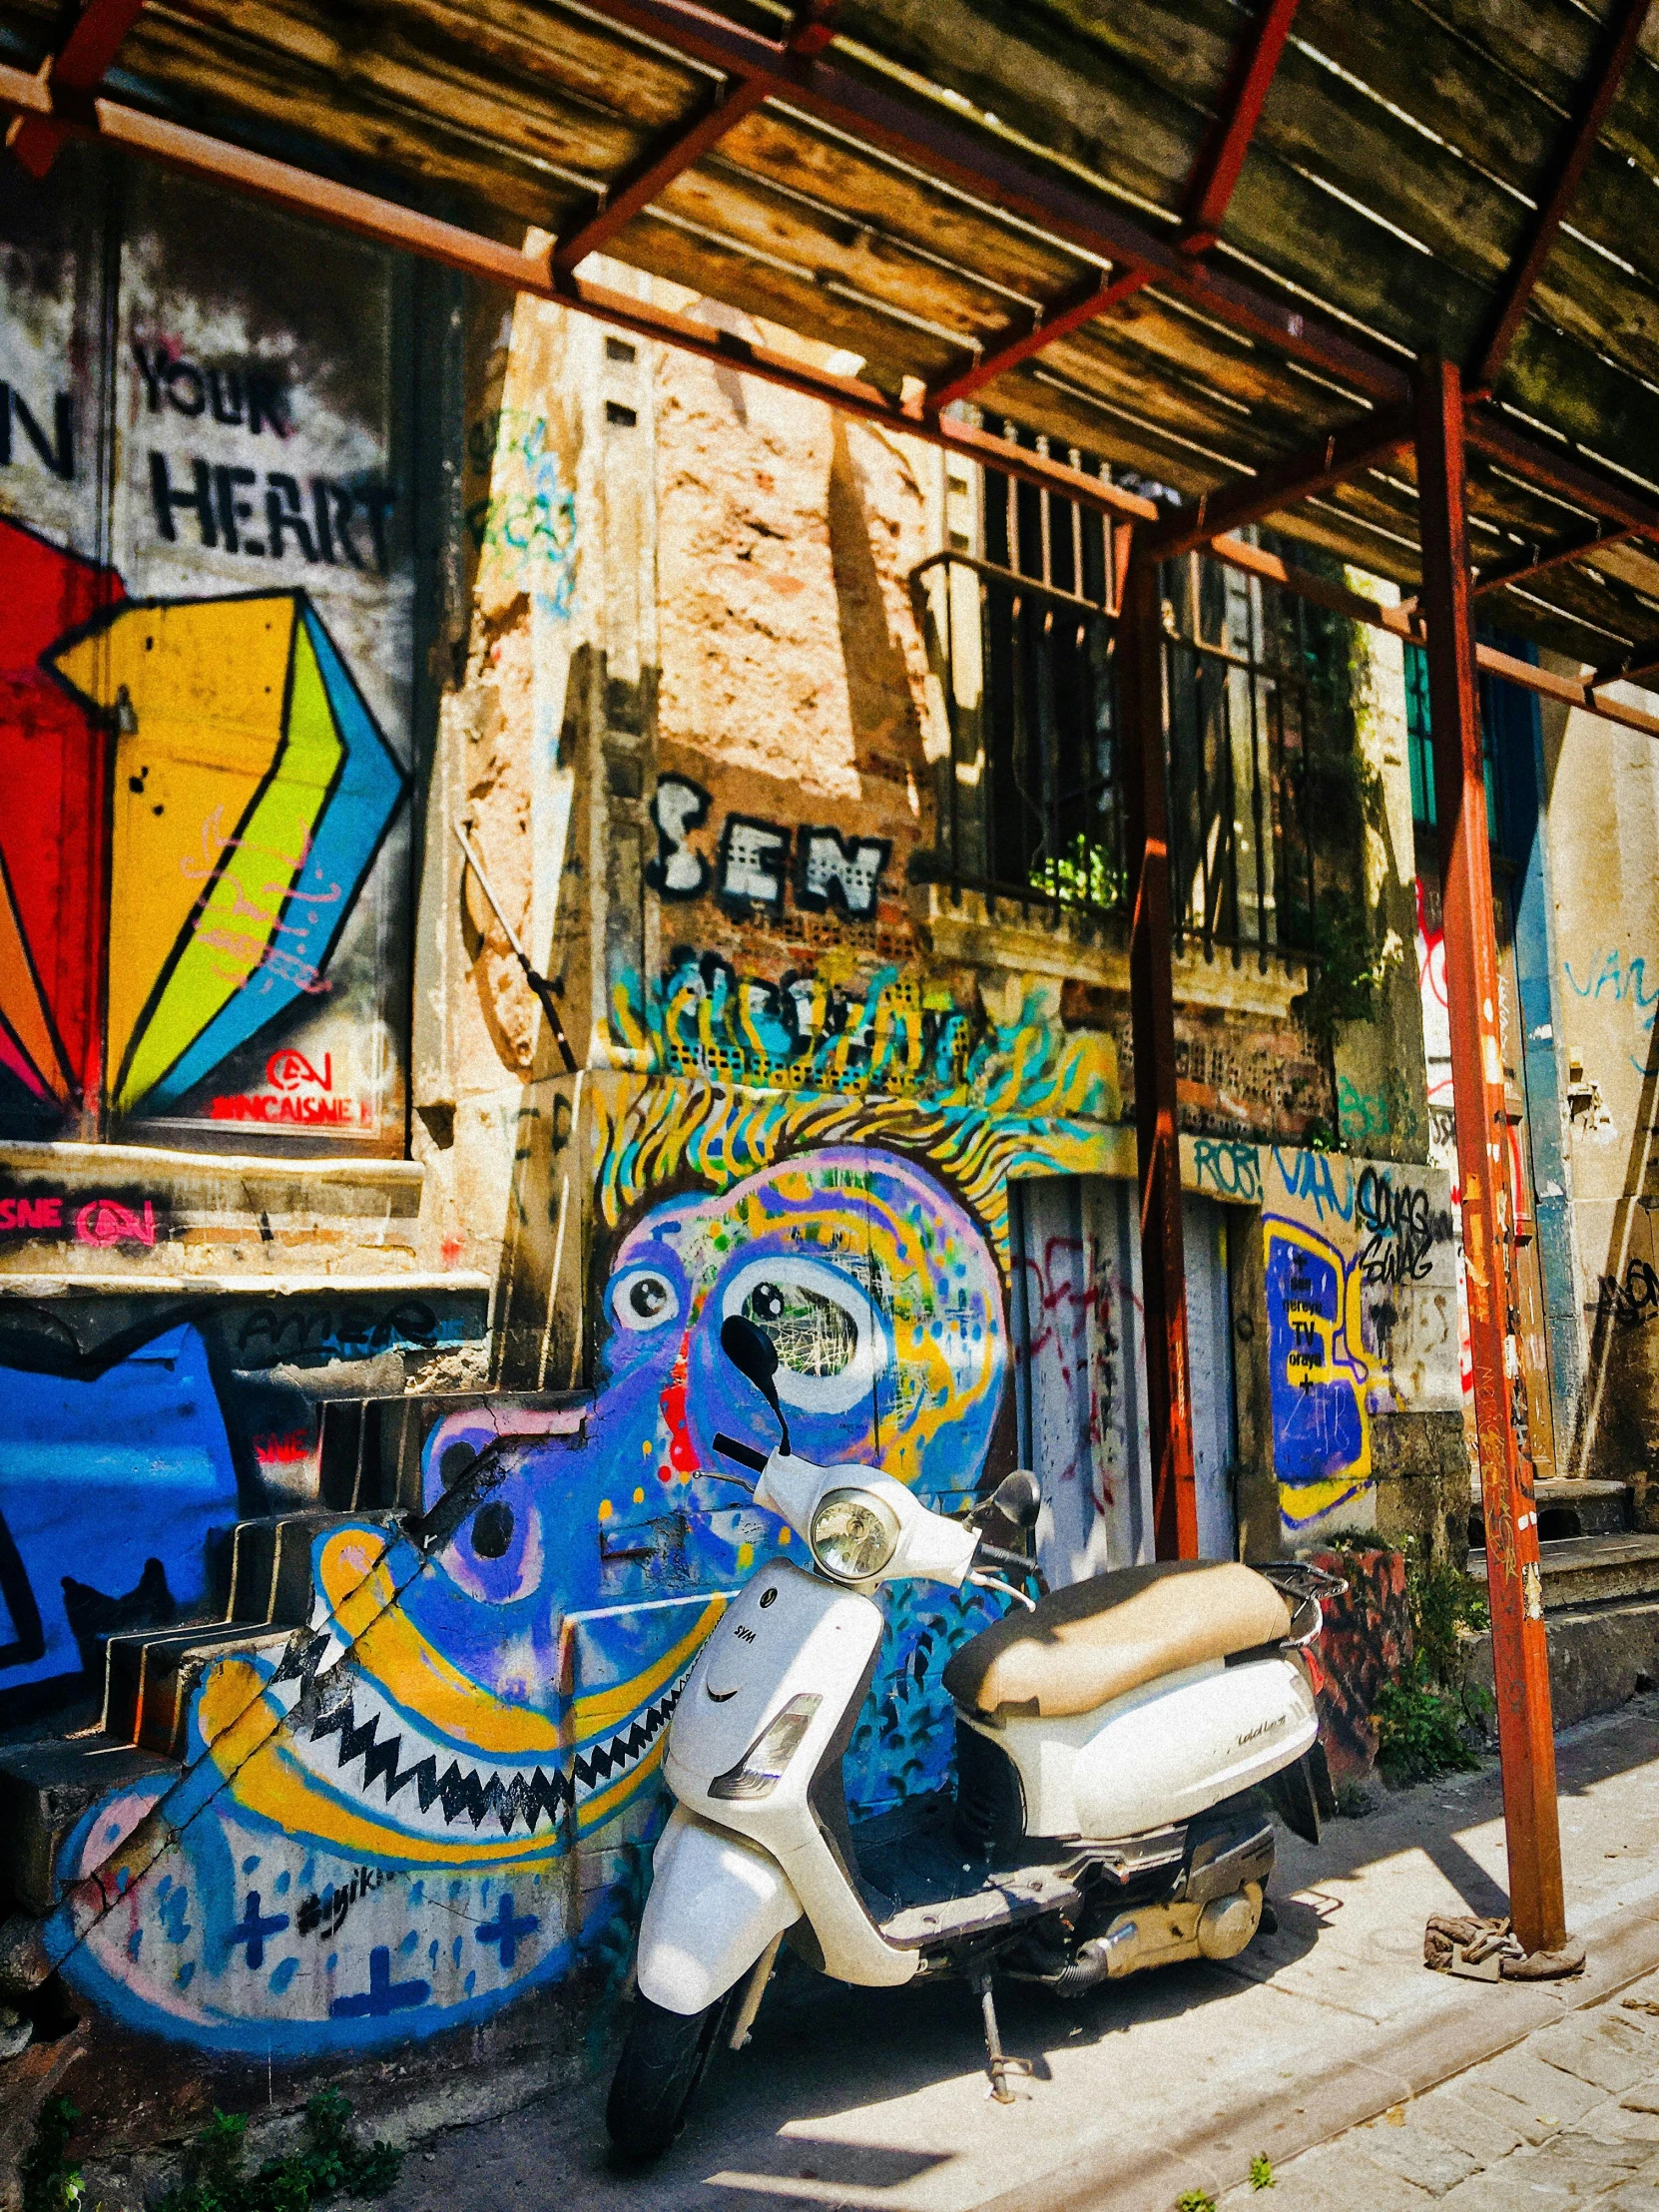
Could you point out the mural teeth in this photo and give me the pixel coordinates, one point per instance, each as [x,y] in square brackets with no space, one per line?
[472,1794]
[601,1762]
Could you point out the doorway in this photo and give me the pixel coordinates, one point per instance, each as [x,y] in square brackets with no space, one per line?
[1080,1371]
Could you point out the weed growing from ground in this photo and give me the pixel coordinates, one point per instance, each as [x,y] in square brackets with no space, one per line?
[333,2161]
[49,2183]
[1423,1716]
[1195,2200]
[1260,2171]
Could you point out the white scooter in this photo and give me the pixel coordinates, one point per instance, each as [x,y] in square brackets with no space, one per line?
[1111,1740]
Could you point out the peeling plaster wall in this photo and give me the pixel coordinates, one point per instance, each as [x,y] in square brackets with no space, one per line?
[1603,789]
[1381,1105]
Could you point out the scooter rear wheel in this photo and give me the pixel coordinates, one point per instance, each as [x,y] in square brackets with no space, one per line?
[657,2076]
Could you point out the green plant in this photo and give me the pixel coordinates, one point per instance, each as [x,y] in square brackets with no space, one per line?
[1419,1730]
[1195,2200]
[49,2183]
[331,2162]
[1444,1600]
[1081,874]
[1422,1714]
[1260,2171]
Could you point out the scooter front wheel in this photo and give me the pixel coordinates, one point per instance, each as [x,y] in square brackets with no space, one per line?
[657,2076]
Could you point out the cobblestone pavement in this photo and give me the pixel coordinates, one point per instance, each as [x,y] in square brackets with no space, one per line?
[1568,2117]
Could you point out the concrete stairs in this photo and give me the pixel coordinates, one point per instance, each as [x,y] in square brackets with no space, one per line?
[1601,1598]
[370,1469]
[47,1787]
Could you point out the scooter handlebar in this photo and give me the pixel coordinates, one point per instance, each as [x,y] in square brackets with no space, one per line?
[744,1454]
[1016,1562]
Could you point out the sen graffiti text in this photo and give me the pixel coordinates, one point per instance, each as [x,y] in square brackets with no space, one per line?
[752,868]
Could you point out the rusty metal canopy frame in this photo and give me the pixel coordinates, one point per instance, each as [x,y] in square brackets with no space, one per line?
[1204,241]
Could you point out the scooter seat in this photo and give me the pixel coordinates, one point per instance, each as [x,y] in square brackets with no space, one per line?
[1096,1640]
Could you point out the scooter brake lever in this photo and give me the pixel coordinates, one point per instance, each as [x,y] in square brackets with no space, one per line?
[1006,1589]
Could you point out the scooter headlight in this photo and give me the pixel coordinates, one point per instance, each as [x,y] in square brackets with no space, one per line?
[854,1534]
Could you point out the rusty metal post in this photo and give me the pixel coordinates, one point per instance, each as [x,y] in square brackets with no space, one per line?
[1140,662]
[1520,1658]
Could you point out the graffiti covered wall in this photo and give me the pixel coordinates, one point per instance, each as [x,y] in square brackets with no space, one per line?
[384,1658]
[206,605]
[1362,1300]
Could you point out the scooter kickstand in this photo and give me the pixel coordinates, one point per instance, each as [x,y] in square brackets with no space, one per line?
[997,2064]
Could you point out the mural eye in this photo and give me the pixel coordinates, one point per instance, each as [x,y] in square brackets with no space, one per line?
[831,1339]
[646,1299]
[814,1335]
[492,1529]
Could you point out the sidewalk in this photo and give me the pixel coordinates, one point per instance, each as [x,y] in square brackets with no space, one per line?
[1175,2080]
[1570,2117]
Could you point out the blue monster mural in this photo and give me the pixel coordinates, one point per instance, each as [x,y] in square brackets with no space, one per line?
[366,1837]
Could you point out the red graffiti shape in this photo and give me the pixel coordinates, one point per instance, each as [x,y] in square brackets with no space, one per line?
[104,1220]
[288,1071]
[53,833]
[273,1450]
[682,1454]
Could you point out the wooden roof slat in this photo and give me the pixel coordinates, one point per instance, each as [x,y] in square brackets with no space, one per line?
[1048,75]
[1453,90]
[889,347]
[1546,45]
[1340,455]
[1225,145]
[1161,341]
[1209,190]
[431,78]
[1612,58]
[1540,560]
[1596,629]
[791,151]
[1252,423]
[1412,297]
[678,149]
[376,130]
[1009,347]
[1448,195]
[550,42]
[747,213]
[1124,434]
[1630,561]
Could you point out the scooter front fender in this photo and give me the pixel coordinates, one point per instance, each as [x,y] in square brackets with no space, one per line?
[716,1903]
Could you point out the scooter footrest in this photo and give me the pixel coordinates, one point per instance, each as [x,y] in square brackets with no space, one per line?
[1001,1903]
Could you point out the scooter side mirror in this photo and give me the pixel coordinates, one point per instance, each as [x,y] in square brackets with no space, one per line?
[1018,1497]
[755,1356]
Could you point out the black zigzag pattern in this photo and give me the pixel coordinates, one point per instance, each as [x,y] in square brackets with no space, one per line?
[620,1751]
[461,1792]
[464,1793]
